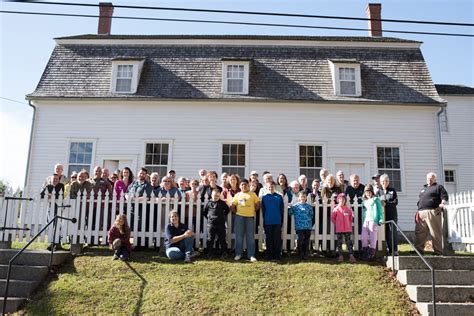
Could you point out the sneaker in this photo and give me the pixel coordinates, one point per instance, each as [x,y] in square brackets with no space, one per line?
[340,259]
[188,259]
[224,255]
[123,258]
[115,257]
[253,259]
[194,254]
[237,258]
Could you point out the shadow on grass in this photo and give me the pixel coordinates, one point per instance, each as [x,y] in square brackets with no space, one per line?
[143,284]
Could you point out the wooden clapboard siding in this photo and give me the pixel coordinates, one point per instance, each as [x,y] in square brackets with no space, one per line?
[272,131]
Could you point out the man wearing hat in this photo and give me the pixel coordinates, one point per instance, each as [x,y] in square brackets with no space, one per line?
[377,185]
[432,200]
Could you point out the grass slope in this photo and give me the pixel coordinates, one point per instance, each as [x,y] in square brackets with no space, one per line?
[150,284]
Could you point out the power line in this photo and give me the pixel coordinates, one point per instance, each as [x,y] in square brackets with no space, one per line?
[234,23]
[11,100]
[259,13]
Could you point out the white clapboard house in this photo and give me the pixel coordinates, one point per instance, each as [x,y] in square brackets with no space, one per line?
[290,104]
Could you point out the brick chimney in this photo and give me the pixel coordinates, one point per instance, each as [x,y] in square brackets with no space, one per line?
[106,10]
[374,12]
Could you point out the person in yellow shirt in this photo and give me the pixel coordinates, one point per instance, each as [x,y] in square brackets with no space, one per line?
[244,204]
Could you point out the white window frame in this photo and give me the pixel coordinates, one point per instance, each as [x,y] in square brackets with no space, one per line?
[297,156]
[335,66]
[234,142]
[169,166]
[137,68]
[68,152]
[402,163]
[451,168]
[246,65]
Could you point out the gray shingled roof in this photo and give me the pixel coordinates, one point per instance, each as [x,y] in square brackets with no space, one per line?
[452,89]
[397,75]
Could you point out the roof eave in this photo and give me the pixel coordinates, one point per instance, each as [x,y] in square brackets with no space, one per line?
[143,99]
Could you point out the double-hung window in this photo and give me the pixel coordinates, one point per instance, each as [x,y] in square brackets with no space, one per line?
[157,157]
[126,75]
[235,77]
[80,156]
[389,162]
[346,78]
[234,158]
[311,161]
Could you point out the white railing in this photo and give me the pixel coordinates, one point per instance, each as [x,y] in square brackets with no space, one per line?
[460,221]
[148,218]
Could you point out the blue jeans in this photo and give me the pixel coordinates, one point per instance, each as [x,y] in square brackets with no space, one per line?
[181,249]
[244,227]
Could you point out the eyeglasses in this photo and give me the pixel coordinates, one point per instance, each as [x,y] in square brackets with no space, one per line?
[167,181]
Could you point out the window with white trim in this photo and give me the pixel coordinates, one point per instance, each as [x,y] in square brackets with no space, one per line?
[233,159]
[125,76]
[311,161]
[80,156]
[157,158]
[450,176]
[346,79]
[235,77]
[389,162]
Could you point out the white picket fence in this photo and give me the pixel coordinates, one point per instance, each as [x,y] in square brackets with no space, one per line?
[460,221]
[148,218]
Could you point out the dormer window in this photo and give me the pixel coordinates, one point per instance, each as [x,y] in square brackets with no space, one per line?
[126,75]
[235,77]
[346,78]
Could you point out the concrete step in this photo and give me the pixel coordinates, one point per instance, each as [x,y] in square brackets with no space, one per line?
[444,293]
[34,257]
[18,288]
[438,262]
[442,277]
[23,272]
[458,309]
[13,303]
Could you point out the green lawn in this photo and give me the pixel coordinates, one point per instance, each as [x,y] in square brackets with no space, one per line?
[149,283]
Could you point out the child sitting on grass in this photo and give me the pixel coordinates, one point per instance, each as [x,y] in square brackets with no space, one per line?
[342,219]
[119,238]
[216,211]
[303,213]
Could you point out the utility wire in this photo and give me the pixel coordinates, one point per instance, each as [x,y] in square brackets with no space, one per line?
[11,100]
[333,17]
[234,23]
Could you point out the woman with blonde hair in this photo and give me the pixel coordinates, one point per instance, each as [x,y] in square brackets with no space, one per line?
[119,238]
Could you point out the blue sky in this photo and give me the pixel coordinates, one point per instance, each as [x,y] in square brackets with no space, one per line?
[27,42]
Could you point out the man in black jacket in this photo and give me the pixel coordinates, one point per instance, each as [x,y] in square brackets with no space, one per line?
[432,200]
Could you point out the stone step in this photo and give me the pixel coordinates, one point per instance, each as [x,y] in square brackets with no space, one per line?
[458,309]
[13,303]
[34,257]
[442,277]
[18,288]
[438,262]
[24,272]
[444,293]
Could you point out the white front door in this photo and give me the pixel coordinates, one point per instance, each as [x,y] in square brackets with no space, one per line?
[114,164]
[350,168]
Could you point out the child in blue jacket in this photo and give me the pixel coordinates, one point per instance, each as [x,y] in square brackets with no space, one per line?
[303,213]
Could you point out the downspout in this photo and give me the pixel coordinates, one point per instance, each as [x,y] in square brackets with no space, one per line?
[31,143]
[440,148]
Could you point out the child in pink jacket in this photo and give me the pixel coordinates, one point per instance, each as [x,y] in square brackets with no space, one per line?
[342,218]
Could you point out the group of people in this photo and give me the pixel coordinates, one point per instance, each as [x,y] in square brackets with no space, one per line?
[245,197]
